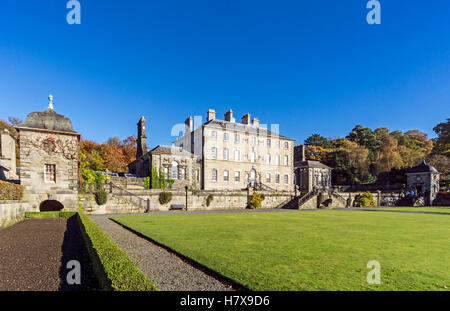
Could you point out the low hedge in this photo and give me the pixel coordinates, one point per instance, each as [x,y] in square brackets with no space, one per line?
[114,269]
[56,214]
[10,191]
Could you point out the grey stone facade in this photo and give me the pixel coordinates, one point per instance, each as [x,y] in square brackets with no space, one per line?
[234,155]
[176,163]
[49,160]
[423,181]
[7,156]
[309,174]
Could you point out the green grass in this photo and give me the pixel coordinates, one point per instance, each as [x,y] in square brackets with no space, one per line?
[113,267]
[314,250]
[56,214]
[440,210]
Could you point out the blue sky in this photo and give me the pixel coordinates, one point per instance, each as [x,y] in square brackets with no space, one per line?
[311,66]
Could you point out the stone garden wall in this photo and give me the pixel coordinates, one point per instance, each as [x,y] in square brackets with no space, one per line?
[195,201]
[382,199]
[12,211]
[224,200]
[114,205]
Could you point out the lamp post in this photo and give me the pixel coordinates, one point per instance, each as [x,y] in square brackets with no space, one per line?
[186,189]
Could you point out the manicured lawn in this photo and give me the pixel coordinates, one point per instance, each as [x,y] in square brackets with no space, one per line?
[314,250]
[441,210]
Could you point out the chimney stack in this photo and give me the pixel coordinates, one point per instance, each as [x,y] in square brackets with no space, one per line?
[211,115]
[299,153]
[255,122]
[229,116]
[246,119]
[189,125]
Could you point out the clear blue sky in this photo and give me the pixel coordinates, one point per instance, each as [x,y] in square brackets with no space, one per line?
[311,66]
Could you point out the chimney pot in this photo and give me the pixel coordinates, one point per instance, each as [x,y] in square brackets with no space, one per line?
[255,122]
[246,119]
[211,115]
[229,116]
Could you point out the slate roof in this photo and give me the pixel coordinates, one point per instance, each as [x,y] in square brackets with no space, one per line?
[311,164]
[161,149]
[222,124]
[423,168]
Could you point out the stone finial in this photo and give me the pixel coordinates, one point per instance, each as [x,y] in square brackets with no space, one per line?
[50,102]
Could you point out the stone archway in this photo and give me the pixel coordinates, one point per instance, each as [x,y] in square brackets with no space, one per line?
[50,206]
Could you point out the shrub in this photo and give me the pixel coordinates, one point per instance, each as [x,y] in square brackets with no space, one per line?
[159,180]
[209,199]
[112,266]
[90,176]
[146,182]
[256,200]
[10,191]
[165,197]
[364,199]
[101,197]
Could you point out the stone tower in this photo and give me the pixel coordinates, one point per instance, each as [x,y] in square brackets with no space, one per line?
[142,139]
[49,160]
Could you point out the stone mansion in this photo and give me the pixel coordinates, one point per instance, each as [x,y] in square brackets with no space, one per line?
[222,155]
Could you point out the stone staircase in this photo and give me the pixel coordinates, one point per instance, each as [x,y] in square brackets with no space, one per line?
[298,201]
[291,204]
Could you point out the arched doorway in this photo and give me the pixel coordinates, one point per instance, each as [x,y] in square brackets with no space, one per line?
[50,206]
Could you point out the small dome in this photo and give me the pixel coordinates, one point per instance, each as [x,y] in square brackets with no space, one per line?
[49,120]
[423,168]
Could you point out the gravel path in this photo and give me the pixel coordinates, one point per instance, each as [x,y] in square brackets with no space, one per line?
[166,269]
[34,254]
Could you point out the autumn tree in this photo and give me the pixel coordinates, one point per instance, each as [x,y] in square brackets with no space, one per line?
[351,161]
[15,121]
[443,141]
[388,157]
[129,148]
[90,155]
[317,140]
[421,140]
[317,153]
[365,137]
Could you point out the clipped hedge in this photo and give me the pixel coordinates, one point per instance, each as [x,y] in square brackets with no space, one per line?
[112,266]
[10,191]
[55,214]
